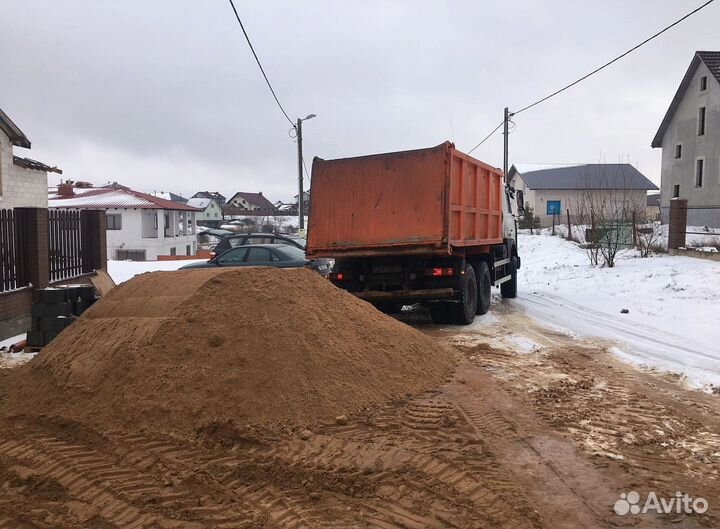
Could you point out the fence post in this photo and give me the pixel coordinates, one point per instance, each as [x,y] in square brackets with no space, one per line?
[569,237]
[33,224]
[93,224]
[634,229]
[678,223]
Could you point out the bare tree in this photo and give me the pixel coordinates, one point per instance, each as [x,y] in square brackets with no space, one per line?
[648,238]
[606,205]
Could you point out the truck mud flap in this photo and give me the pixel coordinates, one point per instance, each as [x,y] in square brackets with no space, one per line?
[499,268]
[406,295]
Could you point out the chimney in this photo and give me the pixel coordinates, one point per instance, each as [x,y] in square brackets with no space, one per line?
[65,190]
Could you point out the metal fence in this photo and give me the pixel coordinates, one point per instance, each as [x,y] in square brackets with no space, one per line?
[65,244]
[12,255]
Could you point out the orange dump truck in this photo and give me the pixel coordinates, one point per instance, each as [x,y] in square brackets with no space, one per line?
[433,226]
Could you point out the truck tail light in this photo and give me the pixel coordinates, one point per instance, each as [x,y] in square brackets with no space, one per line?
[439,271]
[340,276]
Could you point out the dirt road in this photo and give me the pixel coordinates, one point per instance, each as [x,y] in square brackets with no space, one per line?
[535,429]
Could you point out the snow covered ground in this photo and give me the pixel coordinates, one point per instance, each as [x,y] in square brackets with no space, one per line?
[121,271]
[672,323]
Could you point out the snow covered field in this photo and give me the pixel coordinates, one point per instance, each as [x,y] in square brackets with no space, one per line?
[121,271]
[672,322]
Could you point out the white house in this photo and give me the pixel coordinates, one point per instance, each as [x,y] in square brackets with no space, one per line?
[23,181]
[553,190]
[210,211]
[140,227]
[690,139]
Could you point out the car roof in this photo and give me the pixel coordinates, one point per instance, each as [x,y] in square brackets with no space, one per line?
[281,246]
[256,235]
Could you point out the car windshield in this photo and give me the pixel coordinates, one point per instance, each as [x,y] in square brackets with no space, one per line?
[291,252]
[299,240]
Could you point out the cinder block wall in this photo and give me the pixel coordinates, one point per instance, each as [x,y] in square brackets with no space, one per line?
[20,187]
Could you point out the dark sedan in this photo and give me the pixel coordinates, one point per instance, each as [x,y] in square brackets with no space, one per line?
[276,255]
[243,239]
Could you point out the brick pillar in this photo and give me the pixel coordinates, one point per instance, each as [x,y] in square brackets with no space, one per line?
[32,226]
[93,223]
[678,223]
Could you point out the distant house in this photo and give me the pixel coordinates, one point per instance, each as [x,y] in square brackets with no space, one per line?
[210,212]
[283,207]
[140,227]
[551,191]
[210,194]
[250,202]
[306,200]
[689,136]
[652,210]
[23,181]
[167,195]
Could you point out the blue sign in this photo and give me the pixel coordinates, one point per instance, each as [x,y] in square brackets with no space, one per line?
[553,207]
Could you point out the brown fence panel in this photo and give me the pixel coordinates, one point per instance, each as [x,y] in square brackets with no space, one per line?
[12,254]
[65,244]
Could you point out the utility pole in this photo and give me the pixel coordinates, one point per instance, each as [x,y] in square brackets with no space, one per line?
[301,209]
[301,206]
[506,118]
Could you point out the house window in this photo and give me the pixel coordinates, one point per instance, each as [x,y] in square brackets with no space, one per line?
[173,251]
[188,250]
[130,255]
[114,221]
[699,170]
[676,191]
[701,121]
[553,207]
[678,151]
[703,83]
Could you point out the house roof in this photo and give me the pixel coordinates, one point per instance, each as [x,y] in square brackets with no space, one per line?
[711,59]
[17,137]
[113,196]
[29,163]
[254,199]
[587,176]
[209,194]
[168,195]
[200,203]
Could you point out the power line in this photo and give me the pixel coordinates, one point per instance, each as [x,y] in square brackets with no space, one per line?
[259,64]
[486,137]
[596,70]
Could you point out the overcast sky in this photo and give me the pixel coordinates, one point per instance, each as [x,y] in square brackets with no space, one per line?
[165,94]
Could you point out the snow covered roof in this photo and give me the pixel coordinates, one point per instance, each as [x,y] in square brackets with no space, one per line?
[111,197]
[168,195]
[199,203]
[586,176]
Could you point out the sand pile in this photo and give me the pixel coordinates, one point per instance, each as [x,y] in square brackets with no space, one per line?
[217,350]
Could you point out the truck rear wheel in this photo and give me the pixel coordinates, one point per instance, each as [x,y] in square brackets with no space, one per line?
[388,307]
[509,288]
[463,313]
[439,312]
[484,288]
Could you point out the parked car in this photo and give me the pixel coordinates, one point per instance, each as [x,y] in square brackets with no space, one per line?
[243,239]
[275,255]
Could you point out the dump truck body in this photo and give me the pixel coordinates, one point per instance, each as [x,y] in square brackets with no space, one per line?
[413,226]
[435,200]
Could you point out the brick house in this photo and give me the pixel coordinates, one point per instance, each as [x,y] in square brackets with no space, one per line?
[23,181]
[250,202]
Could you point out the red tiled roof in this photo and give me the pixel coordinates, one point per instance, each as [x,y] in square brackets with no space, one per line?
[113,197]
